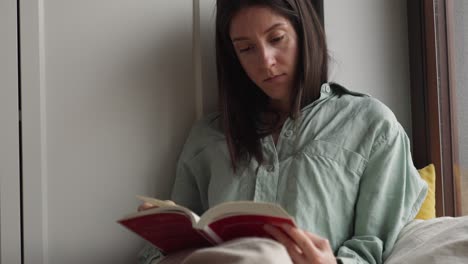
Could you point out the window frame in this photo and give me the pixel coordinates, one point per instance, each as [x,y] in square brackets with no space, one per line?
[435,139]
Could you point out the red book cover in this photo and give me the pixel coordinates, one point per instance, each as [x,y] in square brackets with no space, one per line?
[173,228]
[170,232]
[245,226]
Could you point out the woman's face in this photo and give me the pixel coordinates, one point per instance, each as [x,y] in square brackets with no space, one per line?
[266,46]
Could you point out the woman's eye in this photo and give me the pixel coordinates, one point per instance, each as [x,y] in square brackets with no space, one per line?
[245,49]
[277,39]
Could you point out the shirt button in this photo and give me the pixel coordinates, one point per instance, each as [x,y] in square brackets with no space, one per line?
[288,133]
[270,168]
[327,88]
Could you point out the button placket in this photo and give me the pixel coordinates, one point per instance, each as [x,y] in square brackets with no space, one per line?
[288,133]
[270,168]
[266,180]
[266,184]
[262,190]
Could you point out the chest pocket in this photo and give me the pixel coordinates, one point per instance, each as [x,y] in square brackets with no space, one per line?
[323,180]
[329,170]
[353,162]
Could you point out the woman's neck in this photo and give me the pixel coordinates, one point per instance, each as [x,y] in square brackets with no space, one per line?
[281,106]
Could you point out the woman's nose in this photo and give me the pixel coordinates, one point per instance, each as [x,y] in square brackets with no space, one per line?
[267,57]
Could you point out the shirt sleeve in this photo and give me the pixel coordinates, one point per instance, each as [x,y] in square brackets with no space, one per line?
[390,195]
[185,191]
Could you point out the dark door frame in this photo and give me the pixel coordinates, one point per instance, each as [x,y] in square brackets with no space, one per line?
[432,87]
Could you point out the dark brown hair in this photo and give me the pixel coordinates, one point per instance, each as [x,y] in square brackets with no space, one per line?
[241,102]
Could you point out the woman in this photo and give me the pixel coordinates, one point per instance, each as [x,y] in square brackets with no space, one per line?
[336,160]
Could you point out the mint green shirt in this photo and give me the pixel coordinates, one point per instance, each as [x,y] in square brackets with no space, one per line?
[343,170]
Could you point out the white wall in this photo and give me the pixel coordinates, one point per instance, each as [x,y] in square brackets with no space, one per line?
[10,247]
[208,66]
[461,93]
[368,43]
[108,97]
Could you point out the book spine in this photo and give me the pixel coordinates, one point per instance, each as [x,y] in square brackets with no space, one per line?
[211,236]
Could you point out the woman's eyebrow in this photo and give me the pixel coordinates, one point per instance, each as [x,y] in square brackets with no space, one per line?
[266,31]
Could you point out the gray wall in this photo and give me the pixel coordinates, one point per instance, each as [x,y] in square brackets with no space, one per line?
[108,100]
[461,92]
[10,247]
[368,43]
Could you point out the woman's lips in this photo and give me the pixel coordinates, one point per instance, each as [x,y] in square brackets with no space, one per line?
[276,78]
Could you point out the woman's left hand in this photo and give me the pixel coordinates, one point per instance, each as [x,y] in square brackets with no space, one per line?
[302,246]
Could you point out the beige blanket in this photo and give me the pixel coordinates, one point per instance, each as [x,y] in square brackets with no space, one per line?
[239,251]
[439,240]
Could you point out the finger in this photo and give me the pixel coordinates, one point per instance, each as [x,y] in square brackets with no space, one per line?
[302,240]
[169,202]
[298,258]
[319,241]
[293,250]
[145,206]
[281,237]
[141,207]
[323,245]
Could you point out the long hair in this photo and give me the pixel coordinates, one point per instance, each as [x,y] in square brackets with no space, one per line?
[241,102]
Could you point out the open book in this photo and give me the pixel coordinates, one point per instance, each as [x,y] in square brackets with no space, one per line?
[172,227]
